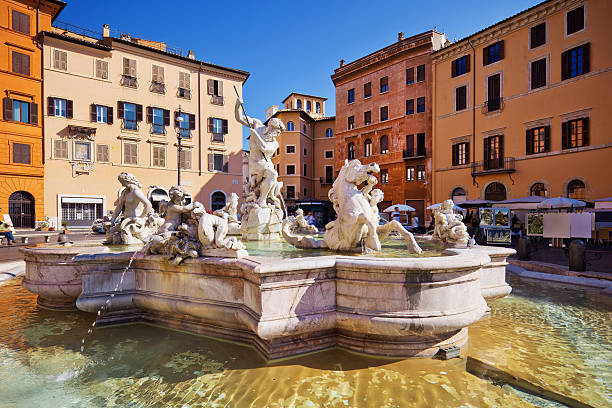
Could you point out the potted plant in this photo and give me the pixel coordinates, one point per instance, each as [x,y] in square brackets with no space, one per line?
[65,227]
[44,225]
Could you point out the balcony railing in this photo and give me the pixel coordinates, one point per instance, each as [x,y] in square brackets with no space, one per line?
[129,81]
[158,87]
[184,93]
[216,100]
[129,124]
[493,105]
[414,153]
[501,165]
[218,137]
[158,129]
[326,180]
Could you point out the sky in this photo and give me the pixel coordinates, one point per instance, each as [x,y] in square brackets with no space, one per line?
[290,46]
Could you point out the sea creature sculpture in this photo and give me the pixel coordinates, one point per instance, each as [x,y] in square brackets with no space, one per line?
[449,227]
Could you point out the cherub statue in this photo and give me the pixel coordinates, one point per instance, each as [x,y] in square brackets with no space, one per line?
[230,213]
[449,227]
[301,226]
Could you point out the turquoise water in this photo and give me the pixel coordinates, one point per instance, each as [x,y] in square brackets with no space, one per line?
[558,338]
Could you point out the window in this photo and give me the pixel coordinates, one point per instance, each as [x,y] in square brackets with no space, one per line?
[575,20]
[290,169]
[20,63]
[410,107]
[384,113]
[299,104]
[575,62]
[218,128]
[351,95]
[318,107]
[351,122]
[101,69]
[575,133]
[308,106]
[157,121]
[367,90]
[60,107]
[290,126]
[157,79]
[538,140]
[576,190]
[538,73]
[304,128]
[329,154]
[421,73]
[384,176]
[290,191]
[538,189]
[384,84]
[410,76]
[82,151]
[20,111]
[129,116]
[420,144]
[186,125]
[493,152]
[420,172]
[384,144]
[22,153]
[458,195]
[215,88]
[60,60]
[184,88]
[130,153]
[461,98]
[305,170]
[367,118]
[60,149]
[217,162]
[129,77]
[460,66]
[20,22]
[185,159]
[351,151]
[461,154]
[305,152]
[410,173]
[290,149]
[537,35]
[493,53]
[217,200]
[329,174]
[329,132]
[421,104]
[367,148]
[494,93]
[102,153]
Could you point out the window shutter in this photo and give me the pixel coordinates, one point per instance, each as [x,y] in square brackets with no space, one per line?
[547,138]
[501,149]
[50,106]
[69,109]
[467,153]
[528,143]
[7,104]
[150,113]
[467,63]
[220,88]
[120,112]
[93,113]
[225,163]
[501,50]
[133,68]
[109,115]
[585,131]
[454,154]
[138,113]
[453,68]
[25,64]
[34,114]
[486,152]
[564,135]
[586,58]
[126,67]
[166,117]
[191,122]
[564,65]
[176,116]
[211,125]
[211,86]
[225,127]
[211,162]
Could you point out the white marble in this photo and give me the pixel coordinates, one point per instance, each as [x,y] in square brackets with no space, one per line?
[230,213]
[449,227]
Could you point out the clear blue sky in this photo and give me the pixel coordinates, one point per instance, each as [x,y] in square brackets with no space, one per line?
[287,45]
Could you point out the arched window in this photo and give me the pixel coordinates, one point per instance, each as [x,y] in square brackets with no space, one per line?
[21,209]
[351,151]
[299,104]
[576,189]
[318,107]
[329,132]
[156,196]
[290,126]
[458,195]
[384,144]
[308,106]
[217,200]
[538,189]
[495,192]
[367,148]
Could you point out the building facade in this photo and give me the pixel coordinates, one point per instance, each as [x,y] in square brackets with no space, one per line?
[305,159]
[119,104]
[520,107]
[21,127]
[383,115]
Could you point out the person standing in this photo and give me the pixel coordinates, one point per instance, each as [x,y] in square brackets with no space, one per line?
[395,215]
[415,223]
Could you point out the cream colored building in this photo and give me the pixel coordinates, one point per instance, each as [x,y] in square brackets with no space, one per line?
[112,105]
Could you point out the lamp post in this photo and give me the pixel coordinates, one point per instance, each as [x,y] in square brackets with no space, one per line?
[179,120]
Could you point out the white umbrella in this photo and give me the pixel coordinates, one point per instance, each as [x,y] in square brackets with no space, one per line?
[400,207]
[561,202]
[439,205]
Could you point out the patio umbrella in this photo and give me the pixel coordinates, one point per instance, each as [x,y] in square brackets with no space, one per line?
[476,203]
[439,205]
[521,203]
[561,202]
[400,207]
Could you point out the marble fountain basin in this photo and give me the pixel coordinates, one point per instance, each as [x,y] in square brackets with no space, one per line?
[396,307]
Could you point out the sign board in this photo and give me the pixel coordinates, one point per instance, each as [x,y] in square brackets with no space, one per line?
[502,217]
[498,235]
[486,217]
[581,225]
[535,225]
[557,225]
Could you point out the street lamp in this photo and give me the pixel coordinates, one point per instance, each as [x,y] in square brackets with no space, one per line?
[179,137]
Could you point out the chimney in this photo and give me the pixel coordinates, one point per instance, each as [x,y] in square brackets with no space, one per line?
[400,36]
[191,54]
[341,63]
[105,31]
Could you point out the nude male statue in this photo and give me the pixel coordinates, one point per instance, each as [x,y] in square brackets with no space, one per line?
[176,209]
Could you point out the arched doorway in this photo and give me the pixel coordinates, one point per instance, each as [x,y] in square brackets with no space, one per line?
[538,189]
[495,192]
[576,189]
[156,196]
[21,209]
[217,200]
[458,195]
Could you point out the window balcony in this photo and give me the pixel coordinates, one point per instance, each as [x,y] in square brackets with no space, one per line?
[184,93]
[491,166]
[129,81]
[129,124]
[185,132]
[493,105]
[417,153]
[218,137]
[158,129]
[326,181]
[158,87]
[216,100]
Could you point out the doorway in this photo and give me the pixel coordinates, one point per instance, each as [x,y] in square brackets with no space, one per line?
[21,209]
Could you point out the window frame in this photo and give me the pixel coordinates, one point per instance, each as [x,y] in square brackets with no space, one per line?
[350,123]
[584,21]
[290,126]
[384,109]
[12,153]
[366,86]
[326,156]
[107,150]
[467,97]
[409,102]
[410,173]
[287,166]
[486,52]
[294,147]
[13,28]
[124,144]
[21,103]
[418,105]
[367,147]
[421,69]
[58,51]
[350,97]
[66,149]
[530,39]
[24,55]
[421,172]
[161,147]
[89,145]
[351,151]
[329,132]
[384,176]
[384,84]
[530,77]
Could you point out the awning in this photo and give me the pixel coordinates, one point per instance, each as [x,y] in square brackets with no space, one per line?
[82,200]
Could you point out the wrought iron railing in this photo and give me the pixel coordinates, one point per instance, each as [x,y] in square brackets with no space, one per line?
[158,87]
[414,153]
[129,81]
[218,137]
[184,93]
[500,165]
[217,100]
[492,105]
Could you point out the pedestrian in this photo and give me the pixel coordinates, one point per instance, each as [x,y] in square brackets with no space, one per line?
[310,219]
[6,230]
[395,215]
[415,223]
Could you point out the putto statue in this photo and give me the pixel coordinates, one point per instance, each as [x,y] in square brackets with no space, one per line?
[133,220]
[189,232]
[357,214]
[449,227]
[262,214]
[299,225]
[230,213]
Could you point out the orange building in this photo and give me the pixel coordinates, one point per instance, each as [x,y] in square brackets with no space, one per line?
[21,127]
[520,107]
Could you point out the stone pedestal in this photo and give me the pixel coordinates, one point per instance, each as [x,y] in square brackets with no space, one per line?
[262,224]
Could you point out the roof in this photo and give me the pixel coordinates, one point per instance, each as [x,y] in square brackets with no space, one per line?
[306,95]
[57,13]
[491,26]
[325,118]
[76,40]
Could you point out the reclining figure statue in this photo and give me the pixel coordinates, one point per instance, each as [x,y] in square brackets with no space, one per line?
[449,227]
